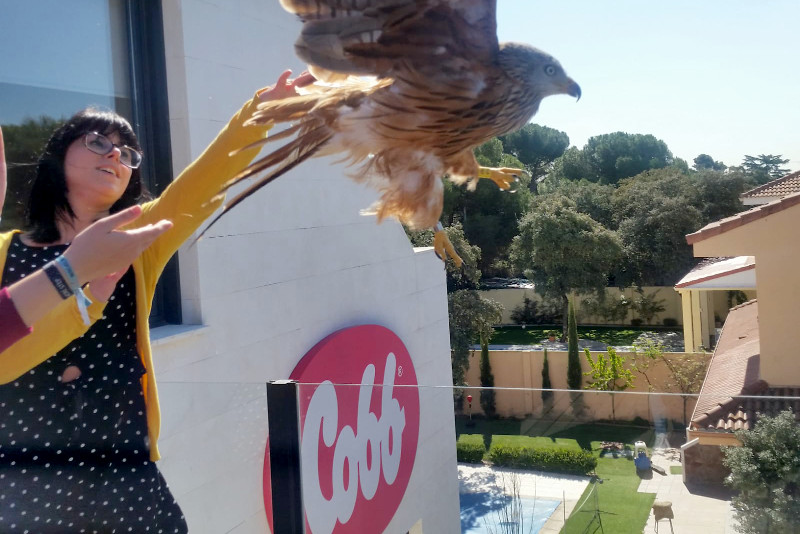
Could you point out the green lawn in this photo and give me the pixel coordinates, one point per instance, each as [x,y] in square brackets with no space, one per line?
[623,509]
[616,336]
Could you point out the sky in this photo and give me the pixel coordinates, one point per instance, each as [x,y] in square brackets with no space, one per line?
[706,77]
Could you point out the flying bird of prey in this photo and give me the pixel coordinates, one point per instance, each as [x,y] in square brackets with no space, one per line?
[405,90]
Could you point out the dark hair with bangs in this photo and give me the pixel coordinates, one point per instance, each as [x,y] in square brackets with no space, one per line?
[48,203]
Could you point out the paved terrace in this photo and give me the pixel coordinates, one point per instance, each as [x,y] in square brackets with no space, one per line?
[696,508]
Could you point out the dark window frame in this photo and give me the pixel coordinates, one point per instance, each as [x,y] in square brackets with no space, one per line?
[148,72]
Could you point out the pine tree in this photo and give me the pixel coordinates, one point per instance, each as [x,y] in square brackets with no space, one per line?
[547,396]
[574,373]
[487,381]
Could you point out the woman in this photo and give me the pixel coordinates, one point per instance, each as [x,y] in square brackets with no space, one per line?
[79,435]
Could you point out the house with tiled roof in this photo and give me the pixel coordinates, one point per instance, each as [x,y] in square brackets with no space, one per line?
[771,191]
[755,367]
[716,284]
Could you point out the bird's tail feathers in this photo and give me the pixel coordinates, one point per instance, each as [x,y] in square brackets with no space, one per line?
[286,158]
[283,134]
[285,109]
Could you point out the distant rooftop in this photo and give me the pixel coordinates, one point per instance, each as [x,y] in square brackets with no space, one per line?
[745,217]
[773,190]
[721,273]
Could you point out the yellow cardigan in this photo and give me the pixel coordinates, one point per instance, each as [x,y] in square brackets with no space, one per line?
[190,199]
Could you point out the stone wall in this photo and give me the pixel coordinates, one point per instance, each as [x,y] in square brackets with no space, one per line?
[702,464]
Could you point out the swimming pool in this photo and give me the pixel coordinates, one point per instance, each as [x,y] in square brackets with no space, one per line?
[484,513]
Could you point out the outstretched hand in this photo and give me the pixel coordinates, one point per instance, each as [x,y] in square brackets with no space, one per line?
[2,172]
[102,253]
[285,86]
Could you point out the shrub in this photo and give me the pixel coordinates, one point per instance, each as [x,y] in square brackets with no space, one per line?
[613,310]
[636,322]
[470,449]
[647,305]
[557,460]
[764,472]
[533,312]
[670,321]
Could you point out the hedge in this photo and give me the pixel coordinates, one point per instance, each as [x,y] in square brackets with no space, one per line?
[470,449]
[557,460]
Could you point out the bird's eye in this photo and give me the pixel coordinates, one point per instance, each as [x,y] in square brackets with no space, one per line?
[550,70]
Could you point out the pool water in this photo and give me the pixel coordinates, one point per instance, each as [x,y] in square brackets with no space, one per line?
[484,513]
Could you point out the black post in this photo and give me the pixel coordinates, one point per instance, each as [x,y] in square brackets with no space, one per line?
[284,457]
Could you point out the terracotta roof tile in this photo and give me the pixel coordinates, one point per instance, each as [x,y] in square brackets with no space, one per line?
[732,394]
[776,188]
[745,217]
[733,368]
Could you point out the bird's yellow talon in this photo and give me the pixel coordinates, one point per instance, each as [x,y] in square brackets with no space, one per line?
[444,248]
[504,177]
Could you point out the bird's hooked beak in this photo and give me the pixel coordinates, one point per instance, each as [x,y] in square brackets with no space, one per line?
[573,89]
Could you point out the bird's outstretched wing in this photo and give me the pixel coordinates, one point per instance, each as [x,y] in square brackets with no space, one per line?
[438,39]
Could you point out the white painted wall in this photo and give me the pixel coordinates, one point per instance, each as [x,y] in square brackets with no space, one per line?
[291,265]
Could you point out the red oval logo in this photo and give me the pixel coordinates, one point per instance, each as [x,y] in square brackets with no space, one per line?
[359,420]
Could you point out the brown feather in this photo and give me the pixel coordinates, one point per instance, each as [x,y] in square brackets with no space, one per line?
[290,156]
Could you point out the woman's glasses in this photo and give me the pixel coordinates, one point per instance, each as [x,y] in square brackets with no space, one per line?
[100,144]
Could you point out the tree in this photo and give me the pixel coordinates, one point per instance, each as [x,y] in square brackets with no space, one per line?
[706,162]
[574,373]
[655,211]
[573,165]
[561,250]
[609,374]
[23,143]
[765,471]
[547,385]
[621,155]
[536,147]
[645,353]
[471,317]
[718,193]
[686,376]
[765,167]
[487,381]
[593,199]
[646,305]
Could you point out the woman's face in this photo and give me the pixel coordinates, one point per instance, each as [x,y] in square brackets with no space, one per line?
[94,181]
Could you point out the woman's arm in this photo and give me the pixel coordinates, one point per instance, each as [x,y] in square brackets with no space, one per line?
[98,251]
[94,253]
[195,194]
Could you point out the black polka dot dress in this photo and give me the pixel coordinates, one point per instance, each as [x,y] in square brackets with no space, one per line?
[74,455]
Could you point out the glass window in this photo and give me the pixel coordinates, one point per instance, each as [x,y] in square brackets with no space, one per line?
[60,57]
